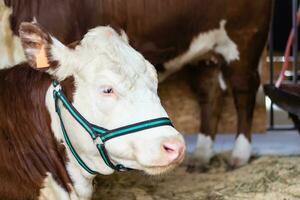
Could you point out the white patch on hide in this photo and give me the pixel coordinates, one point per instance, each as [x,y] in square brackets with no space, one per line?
[204,149]
[51,190]
[241,152]
[34,20]
[216,40]
[11,51]
[225,46]
[222,82]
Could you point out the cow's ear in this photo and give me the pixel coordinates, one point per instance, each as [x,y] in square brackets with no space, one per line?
[36,44]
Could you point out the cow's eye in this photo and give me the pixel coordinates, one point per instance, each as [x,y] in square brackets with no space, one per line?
[108,90]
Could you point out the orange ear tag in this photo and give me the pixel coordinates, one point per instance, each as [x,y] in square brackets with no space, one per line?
[42,59]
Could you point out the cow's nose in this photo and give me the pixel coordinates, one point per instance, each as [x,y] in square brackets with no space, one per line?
[174,150]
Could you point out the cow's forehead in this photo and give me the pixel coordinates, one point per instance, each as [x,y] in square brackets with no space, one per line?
[105,41]
[107,46]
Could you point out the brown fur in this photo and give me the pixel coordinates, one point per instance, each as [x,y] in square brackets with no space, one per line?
[249,30]
[28,149]
[160,30]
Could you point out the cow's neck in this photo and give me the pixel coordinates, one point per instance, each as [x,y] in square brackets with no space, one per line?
[82,180]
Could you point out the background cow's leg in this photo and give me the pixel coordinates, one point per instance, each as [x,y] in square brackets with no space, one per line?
[244,87]
[242,75]
[206,82]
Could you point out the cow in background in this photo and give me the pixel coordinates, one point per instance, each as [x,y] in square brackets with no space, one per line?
[227,35]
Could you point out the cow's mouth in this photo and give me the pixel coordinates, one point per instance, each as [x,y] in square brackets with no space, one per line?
[161,169]
[157,170]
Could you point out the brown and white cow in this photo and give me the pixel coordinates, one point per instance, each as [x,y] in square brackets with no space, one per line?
[109,83]
[172,34]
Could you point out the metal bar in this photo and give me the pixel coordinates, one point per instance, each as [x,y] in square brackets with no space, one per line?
[271,72]
[281,59]
[282,129]
[295,42]
[271,49]
[272,115]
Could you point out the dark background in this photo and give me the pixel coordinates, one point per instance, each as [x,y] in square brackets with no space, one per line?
[282,23]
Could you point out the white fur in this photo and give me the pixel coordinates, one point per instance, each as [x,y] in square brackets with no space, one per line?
[55,123]
[51,190]
[222,83]
[241,152]
[66,59]
[104,59]
[216,40]
[124,36]
[11,52]
[204,149]
[83,185]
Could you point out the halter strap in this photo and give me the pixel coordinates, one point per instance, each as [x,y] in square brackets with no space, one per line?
[68,142]
[97,133]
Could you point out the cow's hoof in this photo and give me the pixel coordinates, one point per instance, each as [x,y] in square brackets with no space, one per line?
[202,154]
[195,165]
[204,149]
[241,152]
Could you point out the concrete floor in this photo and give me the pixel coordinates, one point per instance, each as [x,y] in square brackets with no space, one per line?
[271,143]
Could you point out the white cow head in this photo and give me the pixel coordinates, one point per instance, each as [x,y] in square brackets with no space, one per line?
[114,86]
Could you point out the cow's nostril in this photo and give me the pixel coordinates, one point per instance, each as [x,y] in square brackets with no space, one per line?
[168,149]
[173,150]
